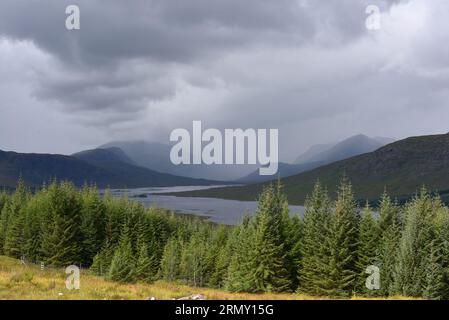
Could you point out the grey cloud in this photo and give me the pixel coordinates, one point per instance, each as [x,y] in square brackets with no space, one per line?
[146,67]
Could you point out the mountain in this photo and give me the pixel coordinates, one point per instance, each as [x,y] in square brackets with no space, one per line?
[312,153]
[151,155]
[102,156]
[322,154]
[116,161]
[156,156]
[104,167]
[38,168]
[402,167]
[347,148]
[284,170]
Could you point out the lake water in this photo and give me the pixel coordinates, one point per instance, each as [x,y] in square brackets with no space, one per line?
[214,210]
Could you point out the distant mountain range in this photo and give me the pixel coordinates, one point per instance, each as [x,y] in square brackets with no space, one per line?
[322,154]
[104,167]
[146,164]
[156,156]
[345,149]
[402,167]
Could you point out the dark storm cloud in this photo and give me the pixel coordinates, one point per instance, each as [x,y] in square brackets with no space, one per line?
[143,67]
[116,36]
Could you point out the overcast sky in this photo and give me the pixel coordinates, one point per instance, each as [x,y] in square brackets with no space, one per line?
[139,69]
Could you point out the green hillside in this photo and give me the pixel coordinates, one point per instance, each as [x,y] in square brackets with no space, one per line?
[401,167]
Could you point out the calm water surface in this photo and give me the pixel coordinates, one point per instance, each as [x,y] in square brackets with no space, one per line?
[215,210]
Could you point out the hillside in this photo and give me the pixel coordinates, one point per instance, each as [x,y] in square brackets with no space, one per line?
[104,155]
[311,153]
[114,160]
[284,170]
[38,168]
[105,168]
[156,156]
[350,147]
[322,154]
[402,167]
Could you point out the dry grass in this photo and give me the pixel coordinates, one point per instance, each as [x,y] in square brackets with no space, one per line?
[28,282]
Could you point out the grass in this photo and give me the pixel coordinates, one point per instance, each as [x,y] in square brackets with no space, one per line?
[29,282]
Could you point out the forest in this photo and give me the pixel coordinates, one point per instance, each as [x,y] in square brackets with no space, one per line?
[324,253]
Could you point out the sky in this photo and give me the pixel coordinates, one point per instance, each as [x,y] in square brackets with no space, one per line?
[139,69]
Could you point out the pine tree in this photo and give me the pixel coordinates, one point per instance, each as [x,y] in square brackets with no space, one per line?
[434,283]
[294,249]
[413,253]
[93,224]
[443,240]
[389,213]
[316,232]
[101,262]
[367,250]
[239,276]
[193,260]
[343,242]
[390,228]
[11,218]
[14,245]
[269,255]
[122,267]
[145,265]
[291,238]
[171,259]
[4,197]
[61,233]
[218,239]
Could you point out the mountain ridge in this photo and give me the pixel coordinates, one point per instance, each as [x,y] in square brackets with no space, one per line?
[402,167]
[322,154]
[36,169]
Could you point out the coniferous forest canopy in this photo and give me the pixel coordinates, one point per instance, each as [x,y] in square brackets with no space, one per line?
[324,253]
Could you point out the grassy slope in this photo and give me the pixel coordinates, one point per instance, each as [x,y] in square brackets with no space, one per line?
[402,167]
[20,282]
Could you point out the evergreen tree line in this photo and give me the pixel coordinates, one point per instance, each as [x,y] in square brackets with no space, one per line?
[324,253]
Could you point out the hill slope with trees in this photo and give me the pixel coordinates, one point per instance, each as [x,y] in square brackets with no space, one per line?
[325,253]
[402,167]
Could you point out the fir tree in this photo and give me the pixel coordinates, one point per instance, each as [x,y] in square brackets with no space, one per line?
[4,197]
[193,260]
[145,265]
[122,267]
[269,255]
[101,262]
[14,245]
[171,259]
[343,242]
[434,283]
[224,254]
[61,237]
[411,266]
[93,224]
[10,218]
[314,256]
[390,228]
[368,249]
[239,276]
[217,244]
